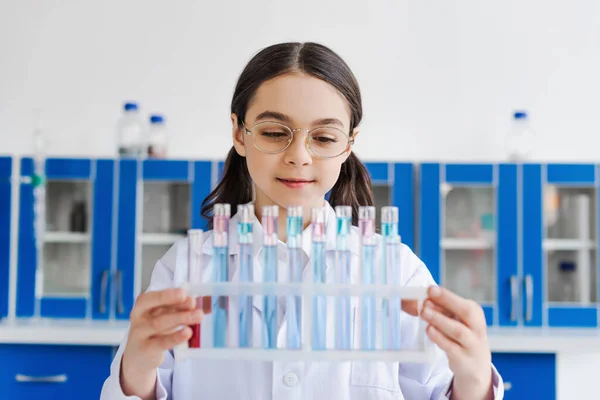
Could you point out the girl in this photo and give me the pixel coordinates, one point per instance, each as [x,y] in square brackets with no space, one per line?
[295,114]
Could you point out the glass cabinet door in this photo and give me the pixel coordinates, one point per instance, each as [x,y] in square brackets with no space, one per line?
[560,244]
[459,229]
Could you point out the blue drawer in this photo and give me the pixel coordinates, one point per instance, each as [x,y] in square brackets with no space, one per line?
[53,372]
[527,376]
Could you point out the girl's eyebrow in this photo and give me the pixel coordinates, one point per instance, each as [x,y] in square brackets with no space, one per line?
[287,119]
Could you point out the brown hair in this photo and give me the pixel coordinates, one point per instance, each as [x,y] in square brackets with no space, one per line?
[353,187]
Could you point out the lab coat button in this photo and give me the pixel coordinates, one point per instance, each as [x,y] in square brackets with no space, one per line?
[290,379]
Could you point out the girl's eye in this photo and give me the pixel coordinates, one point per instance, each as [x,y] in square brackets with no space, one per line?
[324,139]
[274,135]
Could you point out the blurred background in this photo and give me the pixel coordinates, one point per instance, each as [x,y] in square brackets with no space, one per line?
[456,95]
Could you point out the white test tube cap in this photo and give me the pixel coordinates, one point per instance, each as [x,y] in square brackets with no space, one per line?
[222,210]
[270,211]
[246,212]
[343,211]
[317,214]
[389,215]
[294,211]
[366,213]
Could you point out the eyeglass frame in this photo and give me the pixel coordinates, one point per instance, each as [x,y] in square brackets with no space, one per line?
[308,132]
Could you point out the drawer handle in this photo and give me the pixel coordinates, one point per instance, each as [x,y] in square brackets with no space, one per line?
[507,386]
[529,294]
[62,378]
[514,294]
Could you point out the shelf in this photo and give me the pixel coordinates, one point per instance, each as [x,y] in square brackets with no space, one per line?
[567,244]
[66,237]
[161,238]
[466,243]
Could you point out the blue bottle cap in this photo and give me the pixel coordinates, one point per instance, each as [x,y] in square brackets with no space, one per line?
[156,119]
[520,115]
[130,107]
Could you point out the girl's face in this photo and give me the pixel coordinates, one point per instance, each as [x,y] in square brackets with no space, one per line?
[294,176]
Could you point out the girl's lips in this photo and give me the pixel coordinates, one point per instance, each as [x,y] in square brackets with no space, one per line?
[294,183]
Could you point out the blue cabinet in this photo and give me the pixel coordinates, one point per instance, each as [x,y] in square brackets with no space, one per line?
[560,259]
[5,227]
[31,372]
[519,239]
[158,201]
[66,276]
[527,376]
[468,232]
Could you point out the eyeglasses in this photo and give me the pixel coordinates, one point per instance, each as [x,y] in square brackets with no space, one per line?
[273,137]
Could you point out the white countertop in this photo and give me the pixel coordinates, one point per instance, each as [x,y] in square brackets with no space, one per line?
[111,333]
[62,331]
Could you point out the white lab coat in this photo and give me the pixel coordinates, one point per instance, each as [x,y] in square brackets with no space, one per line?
[222,379]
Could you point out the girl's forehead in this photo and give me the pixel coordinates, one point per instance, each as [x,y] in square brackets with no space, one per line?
[301,97]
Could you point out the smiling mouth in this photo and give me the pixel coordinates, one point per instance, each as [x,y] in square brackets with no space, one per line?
[295,183]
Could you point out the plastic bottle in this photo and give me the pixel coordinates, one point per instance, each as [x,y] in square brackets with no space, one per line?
[157,140]
[131,132]
[520,140]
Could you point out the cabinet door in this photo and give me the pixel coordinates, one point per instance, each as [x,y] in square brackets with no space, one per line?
[5,227]
[560,223]
[61,283]
[159,200]
[527,376]
[66,372]
[461,229]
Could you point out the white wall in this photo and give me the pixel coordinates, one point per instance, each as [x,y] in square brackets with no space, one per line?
[439,78]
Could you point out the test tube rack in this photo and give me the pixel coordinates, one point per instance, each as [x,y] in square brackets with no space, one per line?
[422,353]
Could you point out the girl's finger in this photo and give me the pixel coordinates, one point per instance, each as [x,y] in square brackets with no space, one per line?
[167,342]
[169,322]
[467,311]
[451,348]
[453,329]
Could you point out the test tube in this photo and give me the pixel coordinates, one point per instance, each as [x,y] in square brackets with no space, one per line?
[368,246]
[195,239]
[246,268]
[391,276]
[220,273]
[317,217]
[343,270]
[270,216]
[294,246]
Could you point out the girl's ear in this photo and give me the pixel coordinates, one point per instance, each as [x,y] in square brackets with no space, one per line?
[355,133]
[238,134]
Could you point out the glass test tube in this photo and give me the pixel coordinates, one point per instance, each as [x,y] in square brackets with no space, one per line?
[270,216]
[317,217]
[343,271]
[246,268]
[195,239]
[366,224]
[391,276]
[294,303]
[220,271]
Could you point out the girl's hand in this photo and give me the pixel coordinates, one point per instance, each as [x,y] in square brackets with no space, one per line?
[154,323]
[458,327]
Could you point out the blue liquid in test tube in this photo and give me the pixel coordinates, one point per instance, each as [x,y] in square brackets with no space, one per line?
[343,270]
[221,217]
[270,216]
[366,224]
[294,303]
[391,276]
[246,268]
[317,217]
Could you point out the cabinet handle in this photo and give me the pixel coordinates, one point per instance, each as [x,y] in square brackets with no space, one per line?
[529,297]
[514,295]
[103,290]
[62,378]
[119,282]
[507,386]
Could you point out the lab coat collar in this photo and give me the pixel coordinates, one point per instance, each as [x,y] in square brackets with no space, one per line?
[257,235]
